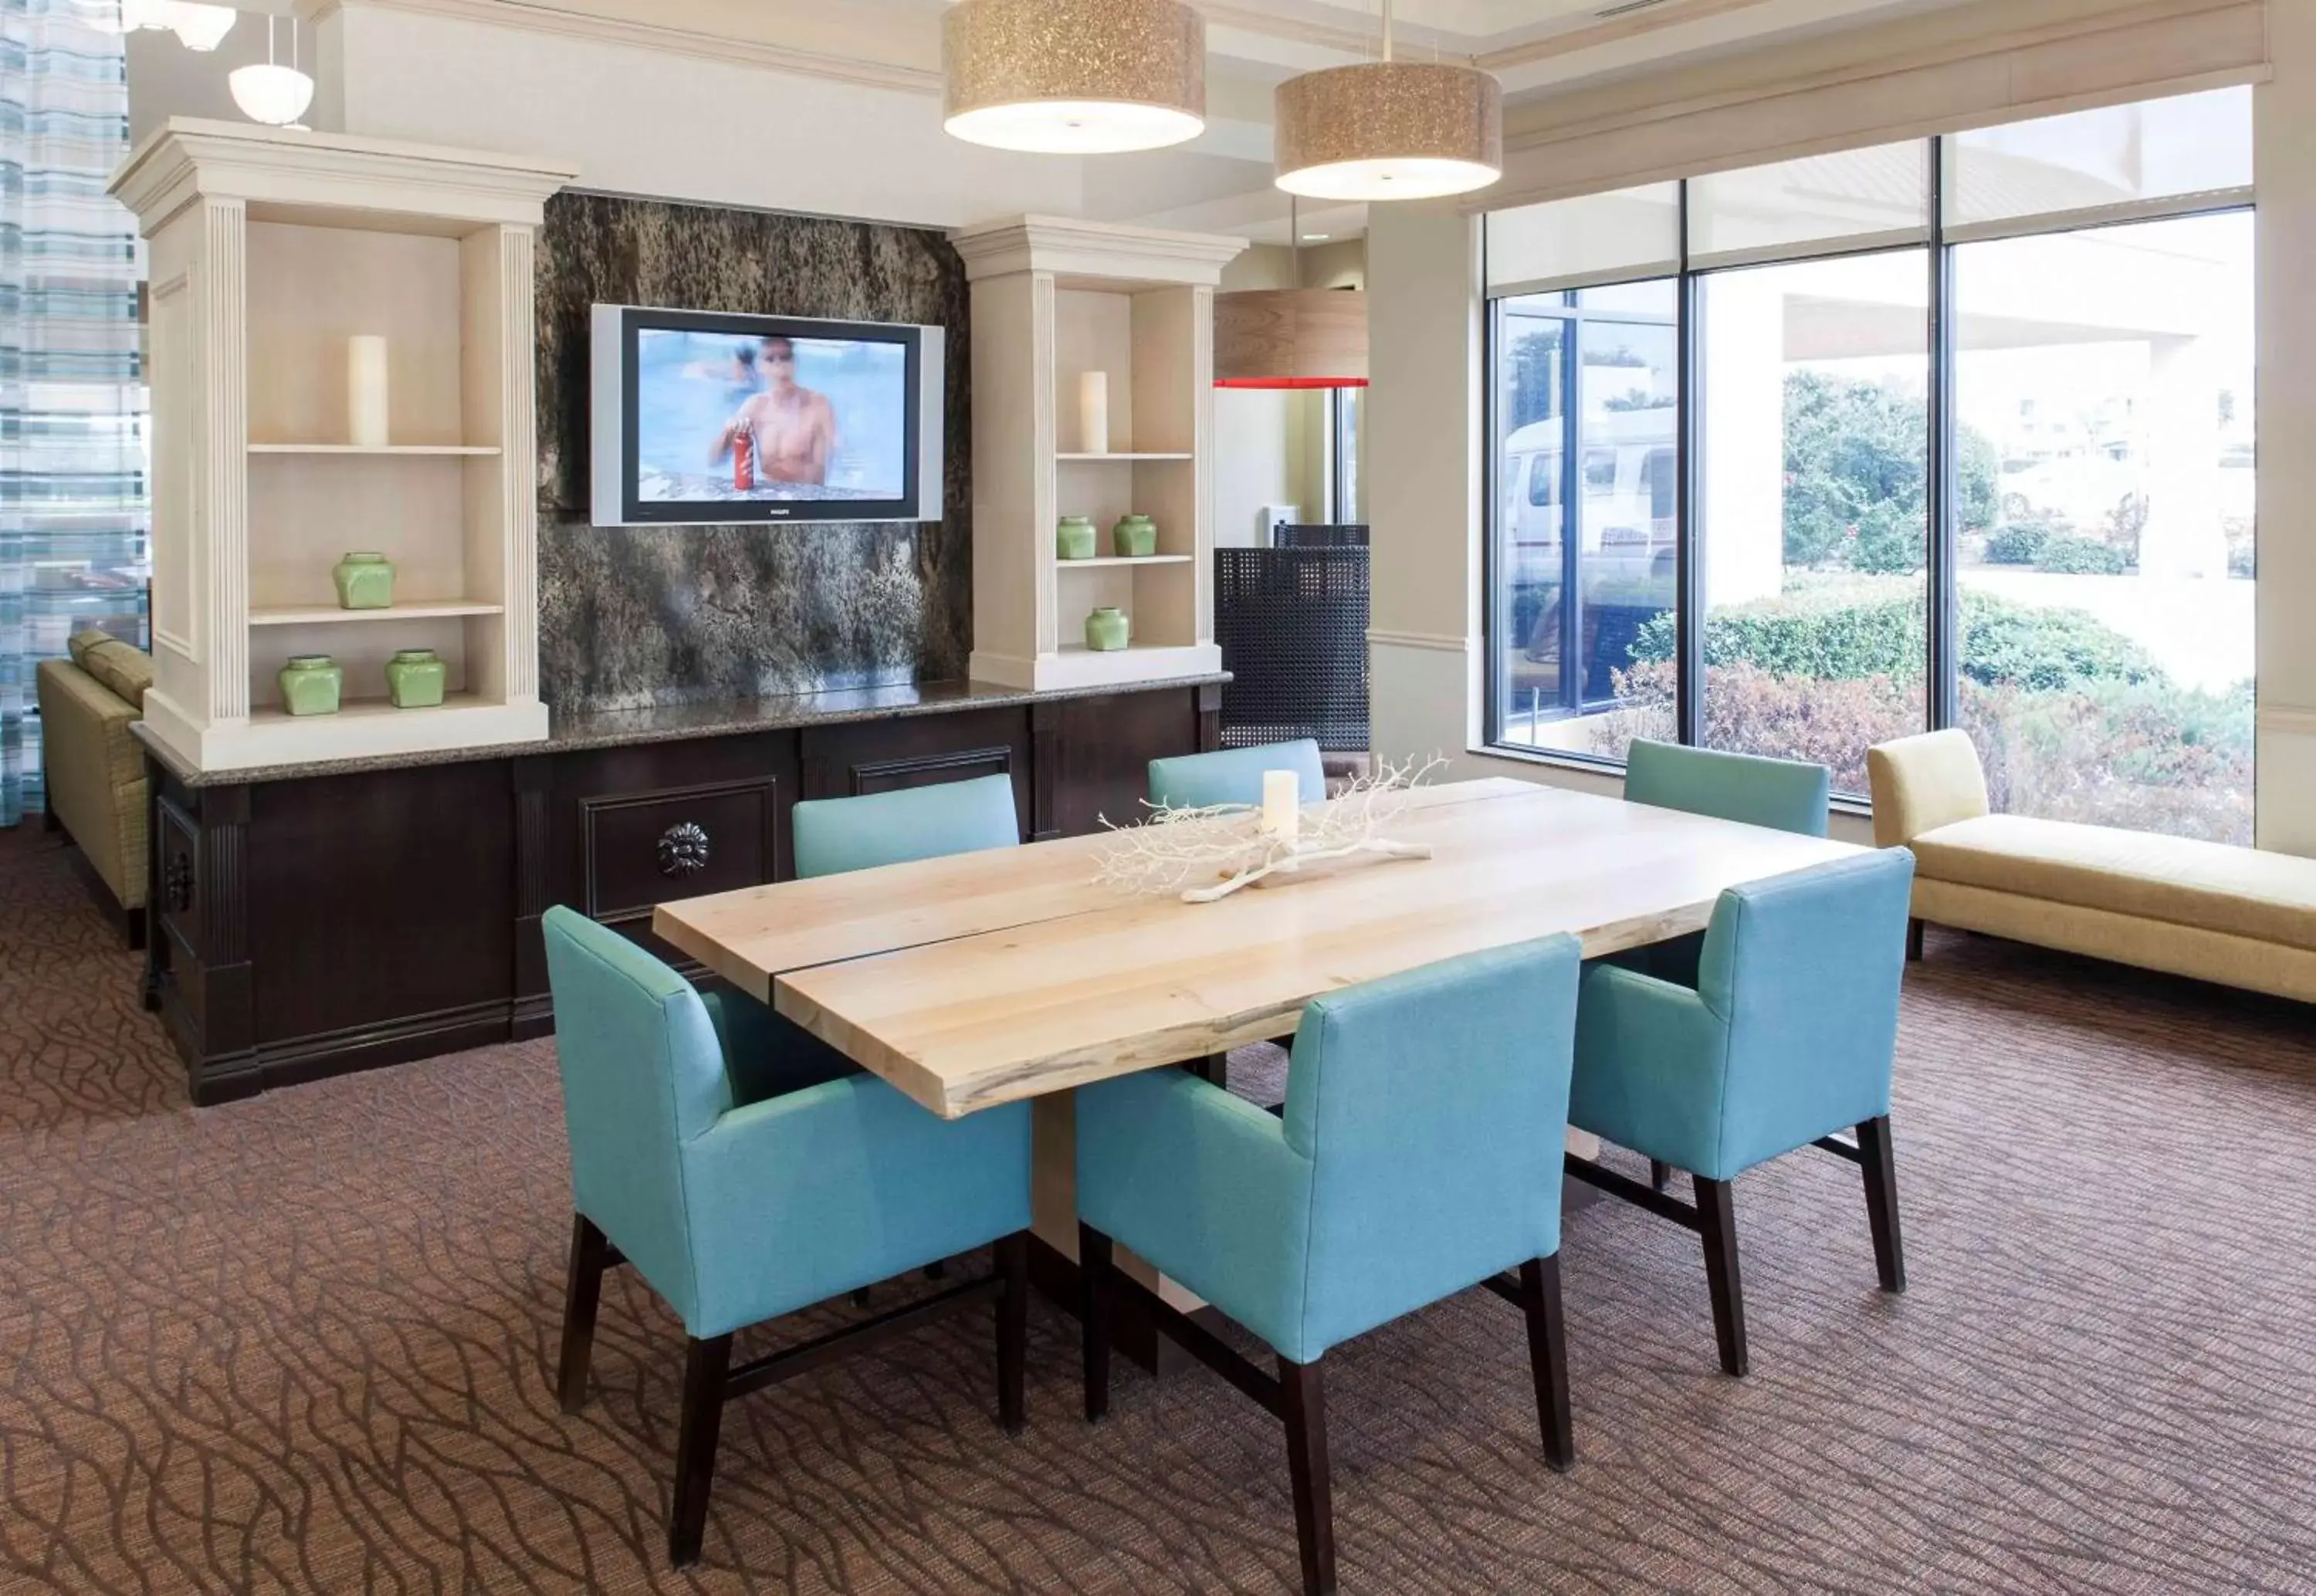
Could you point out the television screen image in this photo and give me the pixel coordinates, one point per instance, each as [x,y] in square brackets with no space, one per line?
[728,417]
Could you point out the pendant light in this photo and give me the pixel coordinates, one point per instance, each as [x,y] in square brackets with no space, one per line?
[136,15]
[1074,76]
[200,27]
[1389,129]
[271,94]
[1291,338]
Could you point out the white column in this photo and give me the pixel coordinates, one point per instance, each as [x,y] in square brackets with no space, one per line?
[2183,537]
[1744,525]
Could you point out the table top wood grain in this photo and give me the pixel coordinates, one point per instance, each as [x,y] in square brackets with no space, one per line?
[987,978]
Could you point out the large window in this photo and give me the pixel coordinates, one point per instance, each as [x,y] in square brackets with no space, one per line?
[1795,459]
[1588,476]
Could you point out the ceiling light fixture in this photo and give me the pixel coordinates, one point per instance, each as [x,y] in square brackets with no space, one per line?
[271,94]
[1389,129]
[135,15]
[200,27]
[1074,76]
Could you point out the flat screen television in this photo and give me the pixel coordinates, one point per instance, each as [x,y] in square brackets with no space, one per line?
[701,417]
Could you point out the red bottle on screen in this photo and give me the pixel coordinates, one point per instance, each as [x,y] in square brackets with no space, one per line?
[744,460]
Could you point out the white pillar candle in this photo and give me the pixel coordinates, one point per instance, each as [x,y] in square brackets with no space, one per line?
[1093,412]
[1282,809]
[365,390]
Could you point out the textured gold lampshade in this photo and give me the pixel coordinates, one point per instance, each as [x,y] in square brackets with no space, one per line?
[1074,76]
[1389,131]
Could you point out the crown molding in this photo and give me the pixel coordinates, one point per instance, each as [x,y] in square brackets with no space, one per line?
[1068,247]
[525,16]
[1674,13]
[192,158]
[1970,43]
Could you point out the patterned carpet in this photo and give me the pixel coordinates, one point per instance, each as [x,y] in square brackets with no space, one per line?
[300,1343]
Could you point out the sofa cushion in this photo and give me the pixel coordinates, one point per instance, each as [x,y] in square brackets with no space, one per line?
[86,638]
[126,671]
[2241,892]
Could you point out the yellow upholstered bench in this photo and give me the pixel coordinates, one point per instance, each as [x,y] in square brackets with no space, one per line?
[2232,914]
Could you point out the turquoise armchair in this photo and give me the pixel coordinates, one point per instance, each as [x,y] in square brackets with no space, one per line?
[959,817]
[1787,1036]
[1784,795]
[737,1210]
[1405,1170]
[774,1054]
[1234,775]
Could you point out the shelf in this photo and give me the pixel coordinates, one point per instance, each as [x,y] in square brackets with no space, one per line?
[330,615]
[1123,457]
[413,449]
[1107,562]
[358,709]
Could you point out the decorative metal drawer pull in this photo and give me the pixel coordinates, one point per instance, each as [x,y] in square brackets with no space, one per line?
[177,883]
[683,849]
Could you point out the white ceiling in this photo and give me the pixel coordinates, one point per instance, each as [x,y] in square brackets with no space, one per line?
[1220,181]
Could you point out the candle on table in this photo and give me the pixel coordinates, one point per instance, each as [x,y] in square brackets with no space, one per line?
[1093,412]
[1282,809]
[365,390]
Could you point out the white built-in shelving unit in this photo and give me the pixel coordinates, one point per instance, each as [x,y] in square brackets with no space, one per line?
[269,248]
[1053,299]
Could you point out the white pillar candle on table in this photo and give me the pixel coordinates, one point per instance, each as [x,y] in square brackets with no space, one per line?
[1093,412]
[365,390]
[1282,810]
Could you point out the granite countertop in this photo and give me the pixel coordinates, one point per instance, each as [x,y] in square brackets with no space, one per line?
[670,722]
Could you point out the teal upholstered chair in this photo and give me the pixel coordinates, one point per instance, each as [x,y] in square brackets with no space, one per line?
[1784,795]
[831,834]
[1234,775]
[1405,1170]
[737,1210]
[959,817]
[1787,1036]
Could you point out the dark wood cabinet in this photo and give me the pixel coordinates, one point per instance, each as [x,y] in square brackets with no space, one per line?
[305,926]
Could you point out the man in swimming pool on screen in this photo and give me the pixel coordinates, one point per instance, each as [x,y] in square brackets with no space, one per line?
[792,428]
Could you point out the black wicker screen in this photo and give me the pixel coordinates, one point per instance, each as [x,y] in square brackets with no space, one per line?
[1293,625]
[1318,534]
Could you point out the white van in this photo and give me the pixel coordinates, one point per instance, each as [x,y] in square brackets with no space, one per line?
[1627,480]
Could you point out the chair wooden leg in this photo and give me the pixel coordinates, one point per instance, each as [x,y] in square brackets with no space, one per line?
[1717,1217]
[1547,1356]
[1303,1402]
[705,1364]
[1659,1174]
[1913,941]
[1012,1329]
[1881,1166]
[591,1253]
[1096,1301]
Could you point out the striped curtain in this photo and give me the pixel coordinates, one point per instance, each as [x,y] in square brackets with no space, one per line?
[73,465]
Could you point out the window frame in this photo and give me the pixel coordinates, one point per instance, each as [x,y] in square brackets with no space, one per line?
[1575,485]
[1942,641]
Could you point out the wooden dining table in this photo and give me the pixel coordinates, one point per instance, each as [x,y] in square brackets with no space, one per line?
[981,979]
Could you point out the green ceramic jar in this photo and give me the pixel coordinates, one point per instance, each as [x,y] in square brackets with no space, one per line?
[1073,539]
[365,580]
[1108,628]
[1134,537]
[310,684]
[415,677]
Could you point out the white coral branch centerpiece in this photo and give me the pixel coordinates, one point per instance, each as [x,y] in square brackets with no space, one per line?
[1207,853]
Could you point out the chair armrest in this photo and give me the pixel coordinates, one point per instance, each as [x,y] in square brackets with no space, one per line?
[801,1197]
[1203,1185]
[1921,783]
[1650,1060]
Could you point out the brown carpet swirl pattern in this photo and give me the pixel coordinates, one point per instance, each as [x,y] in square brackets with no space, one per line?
[301,1343]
